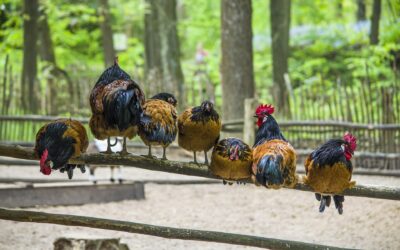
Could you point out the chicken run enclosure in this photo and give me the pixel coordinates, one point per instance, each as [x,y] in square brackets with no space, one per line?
[199,124]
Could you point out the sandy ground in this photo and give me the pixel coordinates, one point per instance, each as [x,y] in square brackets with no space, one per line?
[285,214]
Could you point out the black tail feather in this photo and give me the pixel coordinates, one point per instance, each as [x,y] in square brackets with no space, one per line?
[122,109]
[268,170]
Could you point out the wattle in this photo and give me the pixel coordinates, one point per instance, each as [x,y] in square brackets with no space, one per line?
[348,155]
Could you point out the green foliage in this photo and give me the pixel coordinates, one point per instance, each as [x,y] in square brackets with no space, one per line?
[327,45]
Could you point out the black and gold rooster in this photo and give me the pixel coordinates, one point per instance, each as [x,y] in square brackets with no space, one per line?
[231,160]
[158,124]
[57,142]
[116,102]
[199,129]
[329,170]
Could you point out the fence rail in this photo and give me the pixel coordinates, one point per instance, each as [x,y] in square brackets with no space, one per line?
[382,139]
[191,169]
[159,231]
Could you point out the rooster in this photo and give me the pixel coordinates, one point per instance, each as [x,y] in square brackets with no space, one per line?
[274,159]
[57,142]
[116,102]
[329,169]
[231,159]
[158,124]
[199,129]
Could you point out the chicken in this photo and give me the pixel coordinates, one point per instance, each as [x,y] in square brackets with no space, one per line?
[329,169]
[231,159]
[116,102]
[274,159]
[199,129]
[57,142]
[158,125]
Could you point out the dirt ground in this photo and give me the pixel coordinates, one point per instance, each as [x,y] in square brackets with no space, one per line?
[285,214]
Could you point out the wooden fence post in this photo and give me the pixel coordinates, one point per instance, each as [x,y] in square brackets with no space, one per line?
[248,127]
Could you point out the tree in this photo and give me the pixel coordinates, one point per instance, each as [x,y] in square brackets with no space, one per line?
[162,50]
[376,15]
[107,33]
[361,11]
[170,49]
[280,26]
[237,56]
[152,40]
[29,98]
[46,52]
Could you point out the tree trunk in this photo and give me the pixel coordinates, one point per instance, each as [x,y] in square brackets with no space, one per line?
[153,68]
[29,72]
[376,14]
[170,51]
[107,33]
[46,51]
[237,57]
[361,11]
[163,67]
[280,26]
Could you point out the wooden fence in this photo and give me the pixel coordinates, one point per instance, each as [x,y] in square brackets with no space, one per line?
[379,144]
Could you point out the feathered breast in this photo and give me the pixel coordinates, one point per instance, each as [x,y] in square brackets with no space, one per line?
[231,159]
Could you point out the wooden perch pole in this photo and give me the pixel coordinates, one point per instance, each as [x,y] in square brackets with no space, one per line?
[159,231]
[185,168]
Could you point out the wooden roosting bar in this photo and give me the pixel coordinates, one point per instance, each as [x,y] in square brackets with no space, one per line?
[185,168]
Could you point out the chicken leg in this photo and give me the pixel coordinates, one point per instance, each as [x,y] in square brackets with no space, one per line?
[205,158]
[108,151]
[164,156]
[194,158]
[124,149]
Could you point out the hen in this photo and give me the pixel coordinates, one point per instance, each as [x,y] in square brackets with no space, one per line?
[158,124]
[57,142]
[199,129]
[231,159]
[274,159]
[116,102]
[329,170]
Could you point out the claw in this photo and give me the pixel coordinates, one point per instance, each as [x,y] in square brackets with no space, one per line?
[339,199]
[82,168]
[70,173]
[328,200]
[322,205]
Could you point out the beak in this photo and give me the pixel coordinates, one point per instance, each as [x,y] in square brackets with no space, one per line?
[255,116]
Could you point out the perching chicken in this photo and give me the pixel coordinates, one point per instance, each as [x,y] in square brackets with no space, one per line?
[274,159]
[231,159]
[329,169]
[158,124]
[199,129]
[116,102]
[57,142]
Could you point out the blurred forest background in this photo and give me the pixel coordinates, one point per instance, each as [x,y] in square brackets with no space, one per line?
[313,59]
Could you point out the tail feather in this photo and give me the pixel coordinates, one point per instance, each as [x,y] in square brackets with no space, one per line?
[122,109]
[268,170]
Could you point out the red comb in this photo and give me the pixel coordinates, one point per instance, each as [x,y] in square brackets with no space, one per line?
[351,139]
[265,108]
